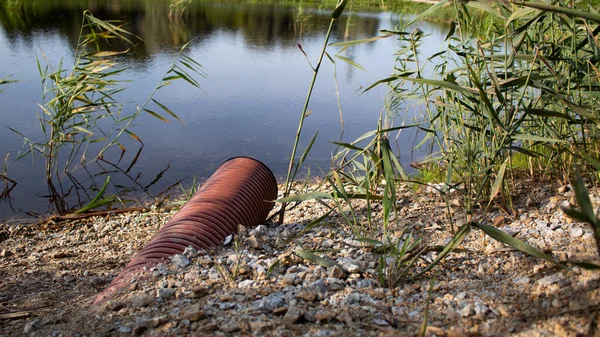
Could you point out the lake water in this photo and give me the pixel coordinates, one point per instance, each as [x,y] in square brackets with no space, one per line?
[255,85]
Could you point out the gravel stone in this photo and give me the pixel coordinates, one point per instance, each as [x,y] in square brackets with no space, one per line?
[502,292]
[336,272]
[165,293]
[140,301]
[576,232]
[180,261]
[548,280]
[270,303]
[246,284]
[293,315]
[32,326]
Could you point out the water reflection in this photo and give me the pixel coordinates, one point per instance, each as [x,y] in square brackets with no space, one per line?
[257,81]
[262,26]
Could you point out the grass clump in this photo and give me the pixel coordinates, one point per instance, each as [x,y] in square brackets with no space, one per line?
[81,118]
[518,91]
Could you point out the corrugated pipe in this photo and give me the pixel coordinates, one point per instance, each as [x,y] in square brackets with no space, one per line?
[240,192]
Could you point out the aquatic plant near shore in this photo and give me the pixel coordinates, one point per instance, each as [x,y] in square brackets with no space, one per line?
[293,165]
[80,110]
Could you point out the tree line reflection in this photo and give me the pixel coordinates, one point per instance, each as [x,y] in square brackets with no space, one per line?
[262,26]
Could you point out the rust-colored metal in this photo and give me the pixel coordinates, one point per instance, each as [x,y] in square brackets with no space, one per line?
[240,192]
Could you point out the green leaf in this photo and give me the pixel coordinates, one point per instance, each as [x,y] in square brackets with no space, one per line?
[575,214]
[307,255]
[519,14]
[498,182]
[98,201]
[562,10]
[500,236]
[585,265]
[427,12]
[454,242]
[583,199]
[451,30]
[355,42]
[316,221]
[157,115]
[535,138]
[350,62]
[307,150]
[349,146]
[339,8]
[440,84]
[167,110]
[134,136]
[546,113]
[483,6]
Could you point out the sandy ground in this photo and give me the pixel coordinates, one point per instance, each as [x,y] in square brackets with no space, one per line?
[259,285]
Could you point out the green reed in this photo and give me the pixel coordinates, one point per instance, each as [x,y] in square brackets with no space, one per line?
[527,81]
[524,86]
[293,165]
[77,102]
[522,83]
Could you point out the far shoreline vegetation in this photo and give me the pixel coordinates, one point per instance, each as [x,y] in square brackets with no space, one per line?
[409,7]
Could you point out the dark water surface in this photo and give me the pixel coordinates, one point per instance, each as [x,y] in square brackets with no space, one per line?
[256,83]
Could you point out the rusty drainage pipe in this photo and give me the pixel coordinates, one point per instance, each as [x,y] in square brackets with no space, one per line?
[240,192]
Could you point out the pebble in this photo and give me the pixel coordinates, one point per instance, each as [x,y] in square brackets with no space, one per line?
[336,272]
[5,253]
[521,280]
[324,315]
[380,322]
[548,280]
[293,315]
[190,252]
[124,329]
[140,301]
[180,260]
[271,302]
[467,310]
[32,326]
[480,308]
[192,313]
[245,284]
[253,241]
[576,232]
[165,293]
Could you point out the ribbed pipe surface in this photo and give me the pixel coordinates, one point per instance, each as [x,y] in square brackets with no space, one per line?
[238,193]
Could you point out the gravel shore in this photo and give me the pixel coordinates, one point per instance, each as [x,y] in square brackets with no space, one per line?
[258,284]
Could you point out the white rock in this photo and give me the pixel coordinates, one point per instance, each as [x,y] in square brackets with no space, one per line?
[245,284]
[550,279]
[165,293]
[521,280]
[381,322]
[180,261]
[576,232]
[124,329]
[190,252]
[467,311]
[414,313]
[31,326]
[480,308]
[270,302]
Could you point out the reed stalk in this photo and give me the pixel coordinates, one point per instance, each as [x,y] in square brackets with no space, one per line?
[291,172]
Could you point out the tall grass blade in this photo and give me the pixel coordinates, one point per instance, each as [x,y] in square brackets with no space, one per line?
[501,236]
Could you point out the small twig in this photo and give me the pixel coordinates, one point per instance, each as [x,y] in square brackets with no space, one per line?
[73,216]
[15,315]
